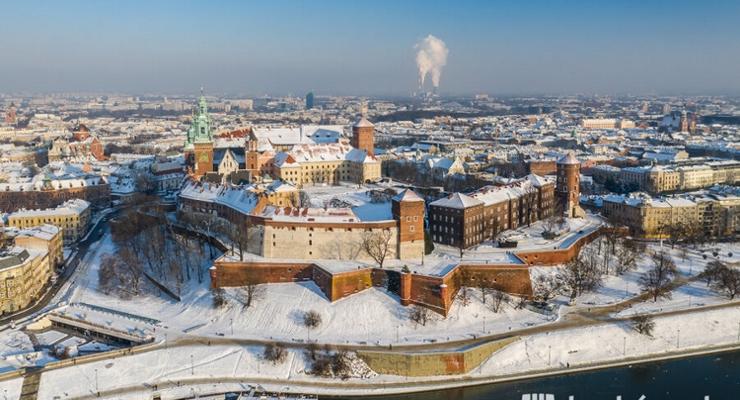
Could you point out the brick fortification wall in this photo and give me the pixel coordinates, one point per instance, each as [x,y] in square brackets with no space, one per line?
[98,195]
[434,292]
[557,256]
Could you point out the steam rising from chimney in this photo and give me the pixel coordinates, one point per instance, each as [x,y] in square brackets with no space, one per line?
[431,56]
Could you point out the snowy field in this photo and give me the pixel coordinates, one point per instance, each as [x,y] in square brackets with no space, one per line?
[618,288]
[241,365]
[611,342]
[373,316]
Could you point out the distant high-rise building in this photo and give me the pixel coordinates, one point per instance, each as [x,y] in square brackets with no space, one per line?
[309,101]
[666,108]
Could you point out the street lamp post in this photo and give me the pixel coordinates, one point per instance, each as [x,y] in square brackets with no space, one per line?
[678,337]
[97,389]
[192,366]
[231,322]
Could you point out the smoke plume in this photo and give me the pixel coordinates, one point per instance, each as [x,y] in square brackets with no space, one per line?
[431,56]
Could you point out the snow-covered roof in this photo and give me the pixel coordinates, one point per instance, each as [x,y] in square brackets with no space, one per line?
[407,195]
[237,198]
[322,152]
[569,159]
[304,134]
[456,200]
[496,194]
[70,207]
[298,214]
[363,123]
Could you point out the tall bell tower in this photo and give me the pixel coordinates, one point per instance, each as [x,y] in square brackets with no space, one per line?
[200,140]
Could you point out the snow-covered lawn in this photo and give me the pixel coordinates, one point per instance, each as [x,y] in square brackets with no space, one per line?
[372,316]
[607,342]
[11,389]
[212,364]
[694,294]
[164,365]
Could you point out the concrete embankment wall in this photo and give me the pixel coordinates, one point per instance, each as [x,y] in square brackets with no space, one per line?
[433,363]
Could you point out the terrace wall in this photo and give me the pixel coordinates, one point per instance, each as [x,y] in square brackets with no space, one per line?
[434,292]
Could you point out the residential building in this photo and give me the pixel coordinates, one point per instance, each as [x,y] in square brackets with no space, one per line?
[73,217]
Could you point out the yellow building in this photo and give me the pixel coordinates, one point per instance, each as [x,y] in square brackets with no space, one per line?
[715,215]
[44,238]
[278,193]
[329,163]
[73,217]
[23,275]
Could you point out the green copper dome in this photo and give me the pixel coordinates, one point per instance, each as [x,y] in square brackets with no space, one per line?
[200,130]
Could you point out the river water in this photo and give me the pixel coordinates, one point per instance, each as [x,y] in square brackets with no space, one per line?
[716,376]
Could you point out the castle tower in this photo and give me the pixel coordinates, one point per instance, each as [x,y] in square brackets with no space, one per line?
[363,135]
[567,189]
[408,210]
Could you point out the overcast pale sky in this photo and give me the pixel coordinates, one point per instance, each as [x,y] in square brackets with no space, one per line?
[367,47]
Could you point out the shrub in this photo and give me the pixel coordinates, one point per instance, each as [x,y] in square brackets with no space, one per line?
[643,324]
[275,352]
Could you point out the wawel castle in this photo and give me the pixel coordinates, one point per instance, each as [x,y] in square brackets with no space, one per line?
[302,156]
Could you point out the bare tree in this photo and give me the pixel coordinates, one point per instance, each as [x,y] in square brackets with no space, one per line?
[311,319]
[644,324]
[581,275]
[219,299]
[419,315]
[626,255]
[132,267]
[463,295]
[377,245]
[712,271]
[486,288]
[728,282]
[251,290]
[546,287]
[657,280]
[497,299]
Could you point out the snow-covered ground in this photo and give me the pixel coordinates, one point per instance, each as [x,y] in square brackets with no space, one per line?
[11,388]
[242,365]
[610,342]
[373,316]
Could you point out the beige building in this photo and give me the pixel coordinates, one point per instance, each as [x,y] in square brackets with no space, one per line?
[43,238]
[606,123]
[23,275]
[329,163]
[310,233]
[671,178]
[278,193]
[73,217]
[716,215]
